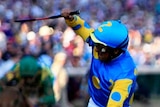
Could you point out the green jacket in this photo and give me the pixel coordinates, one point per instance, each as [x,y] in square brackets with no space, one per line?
[43,78]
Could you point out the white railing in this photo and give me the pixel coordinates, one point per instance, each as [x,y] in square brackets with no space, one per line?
[148,70]
[142,70]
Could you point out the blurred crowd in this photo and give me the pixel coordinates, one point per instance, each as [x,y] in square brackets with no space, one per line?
[140,16]
[46,38]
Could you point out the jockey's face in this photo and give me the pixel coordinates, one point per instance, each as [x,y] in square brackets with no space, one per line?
[105,53]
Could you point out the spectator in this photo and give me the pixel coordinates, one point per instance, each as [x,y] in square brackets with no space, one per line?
[46,54]
[61,78]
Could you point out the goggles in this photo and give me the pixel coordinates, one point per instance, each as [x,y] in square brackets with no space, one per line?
[101,48]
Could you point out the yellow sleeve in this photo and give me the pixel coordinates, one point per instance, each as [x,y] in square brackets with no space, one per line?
[80,27]
[13,73]
[119,93]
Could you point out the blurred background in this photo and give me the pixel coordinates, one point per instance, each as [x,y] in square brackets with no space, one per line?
[48,39]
